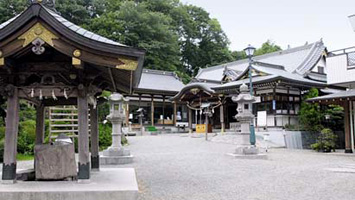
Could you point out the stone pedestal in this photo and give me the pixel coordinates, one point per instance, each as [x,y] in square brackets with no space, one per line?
[112,156]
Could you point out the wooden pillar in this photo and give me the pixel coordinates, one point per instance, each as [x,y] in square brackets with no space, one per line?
[84,163]
[163,112]
[274,110]
[206,124]
[11,133]
[223,127]
[190,120]
[175,110]
[347,127]
[152,110]
[127,114]
[94,131]
[40,124]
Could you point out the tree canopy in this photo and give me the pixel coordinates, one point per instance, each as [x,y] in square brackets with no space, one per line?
[177,37]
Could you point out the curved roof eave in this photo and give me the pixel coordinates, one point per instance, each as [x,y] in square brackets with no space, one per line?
[62,26]
[188,87]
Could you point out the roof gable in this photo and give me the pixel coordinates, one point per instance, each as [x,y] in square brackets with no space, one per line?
[123,63]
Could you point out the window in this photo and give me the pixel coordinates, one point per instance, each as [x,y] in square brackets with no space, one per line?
[246,106]
[351,58]
[320,70]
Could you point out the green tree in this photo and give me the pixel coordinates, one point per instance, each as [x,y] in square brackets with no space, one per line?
[134,25]
[11,8]
[310,114]
[266,47]
[202,40]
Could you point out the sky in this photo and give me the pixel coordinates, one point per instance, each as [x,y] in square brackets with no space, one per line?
[285,22]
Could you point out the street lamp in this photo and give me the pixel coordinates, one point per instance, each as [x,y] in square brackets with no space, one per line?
[249,51]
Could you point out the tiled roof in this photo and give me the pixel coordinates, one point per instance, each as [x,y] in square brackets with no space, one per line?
[338,95]
[272,73]
[72,27]
[8,21]
[299,59]
[160,81]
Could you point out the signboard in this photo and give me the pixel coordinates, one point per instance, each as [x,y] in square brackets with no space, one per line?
[262,117]
[273,105]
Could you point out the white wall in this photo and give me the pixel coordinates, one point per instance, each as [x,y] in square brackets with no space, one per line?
[338,71]
[321,63]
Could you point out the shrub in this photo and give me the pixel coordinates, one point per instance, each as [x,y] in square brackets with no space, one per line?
[105,138]
[26,137]
[326,141]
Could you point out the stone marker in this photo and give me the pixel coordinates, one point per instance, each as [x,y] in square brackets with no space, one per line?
[55,162]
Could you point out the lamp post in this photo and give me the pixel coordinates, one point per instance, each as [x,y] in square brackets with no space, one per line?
[249,51]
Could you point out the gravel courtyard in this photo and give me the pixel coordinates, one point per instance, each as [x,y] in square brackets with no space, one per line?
[174,167]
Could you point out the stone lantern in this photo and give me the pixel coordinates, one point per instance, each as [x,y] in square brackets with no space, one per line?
[245,116]
[116,154]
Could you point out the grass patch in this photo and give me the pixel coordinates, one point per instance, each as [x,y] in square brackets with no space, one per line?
[24,157]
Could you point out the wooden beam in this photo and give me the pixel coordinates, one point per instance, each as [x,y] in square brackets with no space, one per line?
[84,161]
[347,127]
[94,132]
[175,110]
[190,120]
[112,80]
[11,132]
[221,109]
[152,110]
[40,124]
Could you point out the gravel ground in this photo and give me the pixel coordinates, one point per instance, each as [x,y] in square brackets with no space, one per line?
[173,167]
[170,167]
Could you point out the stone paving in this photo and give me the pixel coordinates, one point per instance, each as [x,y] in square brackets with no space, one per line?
[170,167]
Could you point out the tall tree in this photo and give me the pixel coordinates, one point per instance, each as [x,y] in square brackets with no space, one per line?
[266,47]
[11,8]
[134,25]
[202,40]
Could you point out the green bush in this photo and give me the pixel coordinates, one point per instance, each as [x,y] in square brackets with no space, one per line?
[26,137]
[326,141]
[105,138]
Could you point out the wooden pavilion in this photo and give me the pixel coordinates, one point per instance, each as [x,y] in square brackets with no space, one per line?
[49,61]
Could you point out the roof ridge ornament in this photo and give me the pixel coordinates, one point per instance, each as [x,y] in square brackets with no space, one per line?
[50,4]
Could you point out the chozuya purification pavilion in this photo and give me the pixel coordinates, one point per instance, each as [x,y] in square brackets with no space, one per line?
[49,61]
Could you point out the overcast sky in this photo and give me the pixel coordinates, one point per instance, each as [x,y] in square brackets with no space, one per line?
[286,22]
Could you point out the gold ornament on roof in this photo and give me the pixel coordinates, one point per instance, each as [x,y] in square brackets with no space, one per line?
[129,64]
[38,31]
[77,53]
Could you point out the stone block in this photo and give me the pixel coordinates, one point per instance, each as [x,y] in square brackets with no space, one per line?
[55,162]
[116,152]
[116,160]
[248,150]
